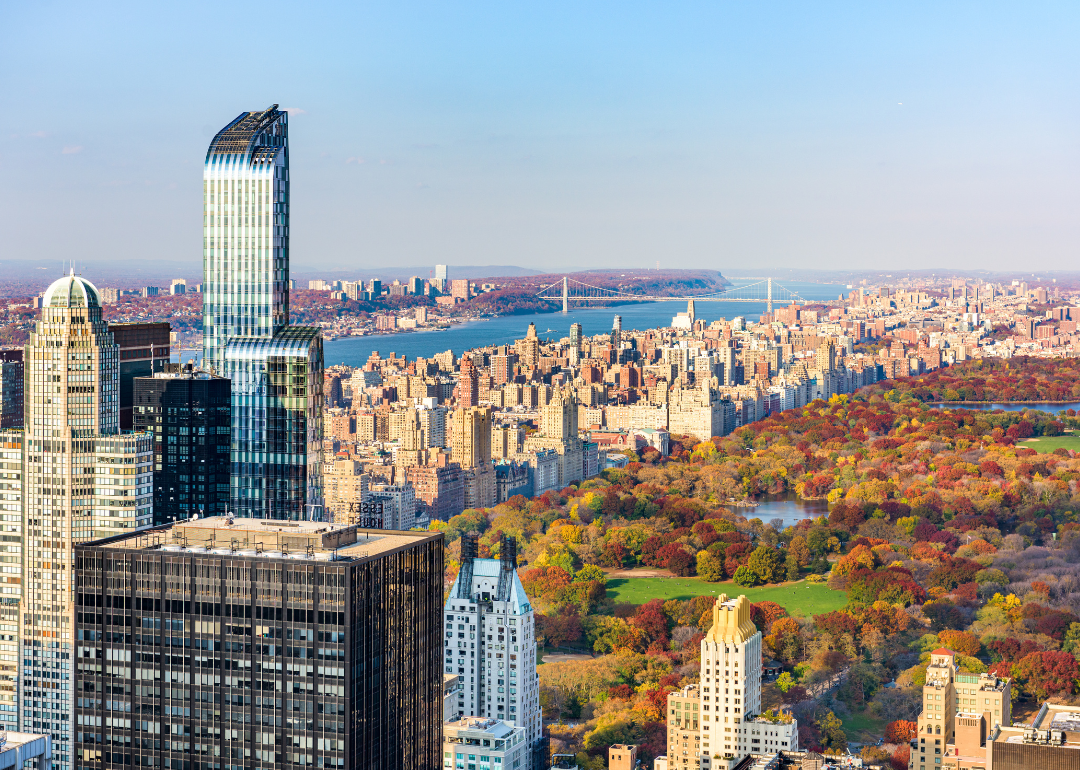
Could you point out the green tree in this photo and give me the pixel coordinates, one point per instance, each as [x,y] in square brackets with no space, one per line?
[745,577]
[1072,639]
[832,731]
[767,564]
[785,682]
[791,567]
[590,572]
[710,567]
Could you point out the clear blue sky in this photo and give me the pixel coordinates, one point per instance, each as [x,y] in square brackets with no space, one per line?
[559,134]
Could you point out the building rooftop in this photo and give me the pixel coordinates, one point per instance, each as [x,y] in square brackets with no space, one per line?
[269,538]
[493,728]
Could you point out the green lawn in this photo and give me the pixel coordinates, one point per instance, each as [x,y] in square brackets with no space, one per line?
[1047,444]
[864,728]
[800,598]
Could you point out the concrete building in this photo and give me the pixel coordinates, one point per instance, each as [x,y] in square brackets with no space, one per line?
[491,643]
[959,710]
[484,743]
[622,757]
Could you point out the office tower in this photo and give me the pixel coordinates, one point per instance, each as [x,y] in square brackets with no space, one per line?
[144,350]
[616,332]
[189,413]
[296,646]
[11,388]
[94,482]
[468,384]
[276,369]
[440,273]
[491,643]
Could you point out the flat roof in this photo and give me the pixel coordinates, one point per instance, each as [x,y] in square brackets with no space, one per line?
[267,538]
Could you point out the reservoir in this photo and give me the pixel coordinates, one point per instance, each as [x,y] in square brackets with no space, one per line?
[1009,407]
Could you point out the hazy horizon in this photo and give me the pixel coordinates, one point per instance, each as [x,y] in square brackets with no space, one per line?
[615,135]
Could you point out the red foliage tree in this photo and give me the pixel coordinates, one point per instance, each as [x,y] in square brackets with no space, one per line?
[1048,672]
[650,618]
[764,614]
[900,731]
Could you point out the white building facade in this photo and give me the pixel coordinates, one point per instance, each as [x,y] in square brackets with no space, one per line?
[477,743]
[491,643]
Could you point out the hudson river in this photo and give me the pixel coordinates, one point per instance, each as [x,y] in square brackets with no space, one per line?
[354,351]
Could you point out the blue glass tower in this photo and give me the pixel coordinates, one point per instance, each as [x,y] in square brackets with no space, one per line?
[276,369]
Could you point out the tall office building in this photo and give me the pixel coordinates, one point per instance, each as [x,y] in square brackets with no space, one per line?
[188,412]
[276,369]
[84,480]
[261,646]
[491,642]
[144,348]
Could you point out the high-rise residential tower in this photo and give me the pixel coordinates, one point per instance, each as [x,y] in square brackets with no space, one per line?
[83,480]
[275,368]
[491,642]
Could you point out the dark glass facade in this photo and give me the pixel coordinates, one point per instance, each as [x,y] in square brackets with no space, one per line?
[209,645]
[190,414]
[144,350]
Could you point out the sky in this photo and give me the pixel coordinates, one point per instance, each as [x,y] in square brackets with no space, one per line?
[557,135]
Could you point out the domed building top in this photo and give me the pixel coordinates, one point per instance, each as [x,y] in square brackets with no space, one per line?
[71,291]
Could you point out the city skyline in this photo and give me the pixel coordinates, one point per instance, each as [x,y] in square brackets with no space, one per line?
[700,136]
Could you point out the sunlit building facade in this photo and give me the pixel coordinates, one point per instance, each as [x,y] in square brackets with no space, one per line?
[82,480]
[276,369]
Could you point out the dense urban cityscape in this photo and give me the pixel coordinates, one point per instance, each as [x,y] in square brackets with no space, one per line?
[539,554]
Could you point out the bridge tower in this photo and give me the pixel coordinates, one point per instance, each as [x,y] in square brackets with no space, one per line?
[565,296]
[769,305]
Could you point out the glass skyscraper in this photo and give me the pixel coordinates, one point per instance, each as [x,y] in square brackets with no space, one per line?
[276,369]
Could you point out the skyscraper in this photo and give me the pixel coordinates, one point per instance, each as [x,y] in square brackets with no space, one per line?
[188,413]
[89,482]
[308,645]
[491,642]
[275,368]
[720,718]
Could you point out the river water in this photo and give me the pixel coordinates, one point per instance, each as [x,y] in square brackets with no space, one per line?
[354,351]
